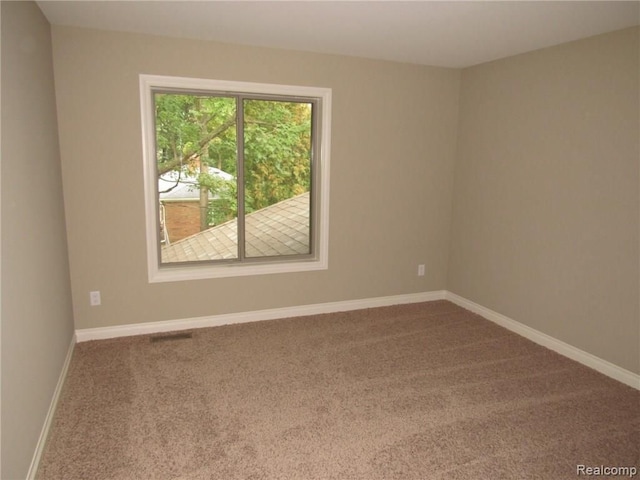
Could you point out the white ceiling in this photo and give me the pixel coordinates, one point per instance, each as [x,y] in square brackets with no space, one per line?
[440,33]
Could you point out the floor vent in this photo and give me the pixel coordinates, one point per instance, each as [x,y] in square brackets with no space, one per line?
[171,336]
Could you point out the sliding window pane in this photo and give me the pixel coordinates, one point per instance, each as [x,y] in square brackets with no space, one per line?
[277,177]
[196,151]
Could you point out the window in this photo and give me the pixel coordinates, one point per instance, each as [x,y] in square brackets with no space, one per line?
[236,177]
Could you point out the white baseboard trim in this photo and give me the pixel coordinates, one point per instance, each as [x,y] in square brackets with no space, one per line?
[87,334]
[35,461]
[591,361]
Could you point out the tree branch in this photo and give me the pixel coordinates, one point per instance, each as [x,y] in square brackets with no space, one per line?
[202,144]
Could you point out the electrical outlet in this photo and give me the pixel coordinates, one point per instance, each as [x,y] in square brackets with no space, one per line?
[94,298]
[421,270]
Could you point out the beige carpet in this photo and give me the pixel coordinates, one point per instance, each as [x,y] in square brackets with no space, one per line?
[422,391]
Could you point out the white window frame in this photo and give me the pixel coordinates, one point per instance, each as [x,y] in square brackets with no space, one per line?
[158,272]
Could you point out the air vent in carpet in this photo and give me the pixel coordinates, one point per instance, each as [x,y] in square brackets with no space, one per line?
[171,336]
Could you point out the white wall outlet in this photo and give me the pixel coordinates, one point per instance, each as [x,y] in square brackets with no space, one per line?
[421,270]
[94,298]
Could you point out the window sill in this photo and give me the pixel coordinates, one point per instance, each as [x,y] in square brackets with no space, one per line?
[200,272]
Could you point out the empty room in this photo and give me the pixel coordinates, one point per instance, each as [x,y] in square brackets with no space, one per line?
[320,240]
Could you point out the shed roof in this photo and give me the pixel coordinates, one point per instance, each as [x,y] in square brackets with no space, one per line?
[279,229]
[184,185]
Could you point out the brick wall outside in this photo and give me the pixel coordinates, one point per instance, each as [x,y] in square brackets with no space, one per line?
[182,219]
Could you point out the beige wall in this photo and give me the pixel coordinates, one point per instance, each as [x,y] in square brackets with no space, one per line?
[393,136]
[37,324]
[546,207]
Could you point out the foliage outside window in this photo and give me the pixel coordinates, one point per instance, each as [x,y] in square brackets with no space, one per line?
[236,177]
